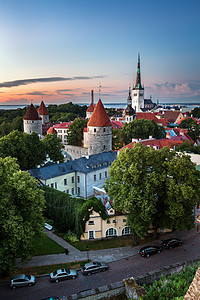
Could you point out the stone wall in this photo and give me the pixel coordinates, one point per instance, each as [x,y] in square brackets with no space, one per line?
[99,139]
[75,151]
[105,292]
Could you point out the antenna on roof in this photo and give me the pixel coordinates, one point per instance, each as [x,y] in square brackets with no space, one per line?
[99,90]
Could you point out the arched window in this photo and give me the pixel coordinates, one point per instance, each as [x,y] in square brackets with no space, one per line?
[111,232]
[126,230]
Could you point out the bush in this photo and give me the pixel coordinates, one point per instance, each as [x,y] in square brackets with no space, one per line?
[173,286]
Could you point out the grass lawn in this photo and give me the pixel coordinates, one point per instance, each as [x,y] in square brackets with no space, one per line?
[45,246]
[109,243]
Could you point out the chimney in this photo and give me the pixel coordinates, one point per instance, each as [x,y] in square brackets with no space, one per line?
[150,137]
[92,97]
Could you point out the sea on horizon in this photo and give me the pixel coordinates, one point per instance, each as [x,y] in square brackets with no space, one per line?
[107,105]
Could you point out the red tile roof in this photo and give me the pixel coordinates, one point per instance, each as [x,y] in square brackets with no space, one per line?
[146,115]
[85,129]
[99,117]
[51,130]
[42,110]
[63,125]
[31,113]
[159,144]
[117,124]
[90,108]
[171,115]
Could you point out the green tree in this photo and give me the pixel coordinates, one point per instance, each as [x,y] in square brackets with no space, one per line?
[17,124]
[157,188]
[192,127]
[21,207]
[27,148]
[117,141]
[75,132]
[5,128]
[196,112]
[141,129]
[53,147]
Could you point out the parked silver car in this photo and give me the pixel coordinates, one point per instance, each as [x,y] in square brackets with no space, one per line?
[63,274]
[94,267]
[22,280]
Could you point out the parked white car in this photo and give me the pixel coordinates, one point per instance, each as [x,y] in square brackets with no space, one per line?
[47,226]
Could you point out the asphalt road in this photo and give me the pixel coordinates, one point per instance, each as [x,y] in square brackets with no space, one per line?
[118,270]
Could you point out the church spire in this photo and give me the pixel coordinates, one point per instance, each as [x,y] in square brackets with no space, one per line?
[138,78]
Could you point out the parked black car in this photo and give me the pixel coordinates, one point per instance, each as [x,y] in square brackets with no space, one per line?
[150,250]
[171,243]
[94,267]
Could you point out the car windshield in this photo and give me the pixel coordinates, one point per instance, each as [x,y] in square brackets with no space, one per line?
[54,273]
[28,277]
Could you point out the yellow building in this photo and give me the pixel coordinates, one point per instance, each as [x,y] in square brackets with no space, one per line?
[114,225]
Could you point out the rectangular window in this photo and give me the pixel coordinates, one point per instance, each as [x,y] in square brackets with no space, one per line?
[95,177]
[67,191]
[79,191]
[108,221]
[52,185]
[65,181]
[78,179]
[106,174]
[124,220]
[99,176]
[55,185]
[90,222]
[72,191]
[114,221]
[72,179]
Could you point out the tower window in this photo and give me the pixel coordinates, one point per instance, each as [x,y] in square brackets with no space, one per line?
[95,130]
[135,95]
[104,147]
[104,130]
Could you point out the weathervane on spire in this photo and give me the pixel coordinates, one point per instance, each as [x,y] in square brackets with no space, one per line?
[99,90]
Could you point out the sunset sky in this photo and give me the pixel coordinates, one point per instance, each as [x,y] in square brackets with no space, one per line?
[58,50]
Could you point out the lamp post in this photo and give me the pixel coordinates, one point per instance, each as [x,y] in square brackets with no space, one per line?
[87,253]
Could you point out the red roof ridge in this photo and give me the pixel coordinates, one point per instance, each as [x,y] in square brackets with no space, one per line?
[90,108]
[51,130]
[31,113]
[99,117]
[42,110]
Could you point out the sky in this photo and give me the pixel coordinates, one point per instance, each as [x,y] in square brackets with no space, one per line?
[59,50]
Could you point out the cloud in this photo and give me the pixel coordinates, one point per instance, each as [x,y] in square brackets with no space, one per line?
[37,93]
[183,89]
[15,83]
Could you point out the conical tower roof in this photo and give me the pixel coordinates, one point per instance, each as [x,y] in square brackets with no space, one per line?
[99,117]
[138,84]
[51,130]
[31,113]
[42,110]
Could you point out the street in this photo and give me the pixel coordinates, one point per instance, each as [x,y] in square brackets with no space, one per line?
[118,270]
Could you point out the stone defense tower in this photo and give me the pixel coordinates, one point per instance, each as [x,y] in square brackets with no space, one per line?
[32,121]
[43,113]
[129,112]
[90,109]
[138,91]
[99,130]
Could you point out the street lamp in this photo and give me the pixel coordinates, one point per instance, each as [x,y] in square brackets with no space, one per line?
[87,253]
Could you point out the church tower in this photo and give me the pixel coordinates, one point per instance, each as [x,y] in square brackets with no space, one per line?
[138,91]
[32,121]
[129,112]
[99,131]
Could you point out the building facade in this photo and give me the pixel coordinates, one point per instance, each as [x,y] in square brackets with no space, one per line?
[32,121]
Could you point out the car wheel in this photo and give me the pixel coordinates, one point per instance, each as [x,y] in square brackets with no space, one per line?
[13,287]
[147,255]
[73,277]
[170,248]
[29,284]
[180,244]
[89,273]
[56,280]
[158,251]
[103,270]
